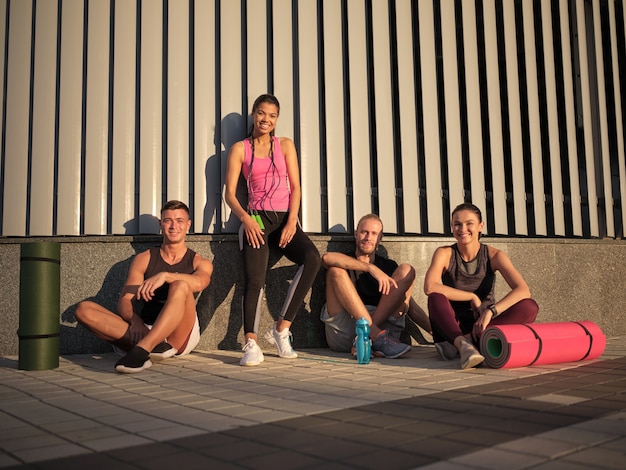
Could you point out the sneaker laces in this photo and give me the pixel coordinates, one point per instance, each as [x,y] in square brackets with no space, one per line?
[250,344]
[285,340]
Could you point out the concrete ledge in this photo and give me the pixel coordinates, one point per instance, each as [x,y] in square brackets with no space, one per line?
[570,279]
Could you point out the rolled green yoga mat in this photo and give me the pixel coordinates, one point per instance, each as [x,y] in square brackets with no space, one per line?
[40,292]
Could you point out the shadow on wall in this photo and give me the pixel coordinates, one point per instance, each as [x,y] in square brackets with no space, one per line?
[232,130]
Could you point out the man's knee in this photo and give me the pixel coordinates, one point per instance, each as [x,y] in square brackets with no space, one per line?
[84,312]
[179,288]
[404,273]
[334,273]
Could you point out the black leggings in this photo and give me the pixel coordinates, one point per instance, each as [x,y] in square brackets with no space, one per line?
[299,250]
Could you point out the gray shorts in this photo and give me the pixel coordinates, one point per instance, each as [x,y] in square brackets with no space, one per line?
[341,328]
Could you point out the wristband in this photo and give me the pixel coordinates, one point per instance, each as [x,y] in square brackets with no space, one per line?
[494,311]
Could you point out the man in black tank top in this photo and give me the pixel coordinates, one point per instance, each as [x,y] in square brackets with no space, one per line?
[165,278]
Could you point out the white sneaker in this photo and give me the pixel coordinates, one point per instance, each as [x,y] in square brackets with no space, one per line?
[282,341]
[252,354]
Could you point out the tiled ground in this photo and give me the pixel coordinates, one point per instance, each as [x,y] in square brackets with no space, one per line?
[321,410]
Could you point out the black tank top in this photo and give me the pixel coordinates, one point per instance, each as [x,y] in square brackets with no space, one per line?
[157,265]
[479,279]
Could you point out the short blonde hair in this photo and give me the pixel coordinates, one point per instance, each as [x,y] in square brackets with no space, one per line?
[371,217]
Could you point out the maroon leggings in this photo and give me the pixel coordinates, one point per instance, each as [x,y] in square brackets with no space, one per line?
[447,325]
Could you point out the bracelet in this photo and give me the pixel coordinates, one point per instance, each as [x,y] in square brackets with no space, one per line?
[494,311]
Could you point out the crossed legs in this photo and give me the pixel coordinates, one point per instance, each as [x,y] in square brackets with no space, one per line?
[341,295]
[174,323]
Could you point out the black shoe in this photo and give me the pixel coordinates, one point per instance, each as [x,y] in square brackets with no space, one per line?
[136,360]
[163,350]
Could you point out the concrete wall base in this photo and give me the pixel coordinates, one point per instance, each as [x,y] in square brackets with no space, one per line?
[570,279]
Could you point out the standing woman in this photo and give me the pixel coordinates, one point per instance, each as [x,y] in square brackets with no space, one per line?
[269,165]
[460,287]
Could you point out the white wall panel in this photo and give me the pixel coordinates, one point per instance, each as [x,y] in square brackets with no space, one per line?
[474,118]
[553,115]
[43,120]
[408,118]
[515,124]
[258,54]
[605,170]
[309,116]
[384,151]
[453,110]
[586,118]
[97,118]
[178,101]
[621,158]
[70,118]
[231,76]
[17,111]
[495,118]
[570,119]
[151,112]
[431,123]
[124,109]
[207,151]
[77,160]
[283,42]
[359,112]
[334,118]
[536,151]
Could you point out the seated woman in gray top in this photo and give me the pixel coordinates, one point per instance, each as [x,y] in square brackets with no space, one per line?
[460,287]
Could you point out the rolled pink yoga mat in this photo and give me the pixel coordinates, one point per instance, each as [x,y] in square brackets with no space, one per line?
[541,343]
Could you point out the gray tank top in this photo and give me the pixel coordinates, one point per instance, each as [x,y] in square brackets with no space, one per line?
[474,276]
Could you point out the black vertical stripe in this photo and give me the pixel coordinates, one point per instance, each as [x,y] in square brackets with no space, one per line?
[31,93]
[465,154]
[164,102]
[506,123]
[5,73]
[419,113]
[323,160]
[111,90]
[441,115]
[561,118]
[395,110]
[348,123]
[191,118]
[484,112]
[543,118]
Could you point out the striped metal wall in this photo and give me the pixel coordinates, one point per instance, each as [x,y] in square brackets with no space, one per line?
[400,107]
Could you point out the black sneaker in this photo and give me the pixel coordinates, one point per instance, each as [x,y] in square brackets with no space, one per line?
[136,360]
[163,350]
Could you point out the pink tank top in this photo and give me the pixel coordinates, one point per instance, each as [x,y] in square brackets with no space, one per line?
[268,186]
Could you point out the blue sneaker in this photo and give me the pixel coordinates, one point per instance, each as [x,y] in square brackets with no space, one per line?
[387,346]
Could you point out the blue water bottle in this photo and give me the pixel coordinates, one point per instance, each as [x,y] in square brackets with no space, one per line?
[363,342]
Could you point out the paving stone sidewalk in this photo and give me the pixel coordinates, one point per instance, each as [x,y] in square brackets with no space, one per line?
[319,411]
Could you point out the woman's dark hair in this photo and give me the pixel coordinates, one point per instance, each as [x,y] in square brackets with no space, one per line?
[467,206]
[266,98]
